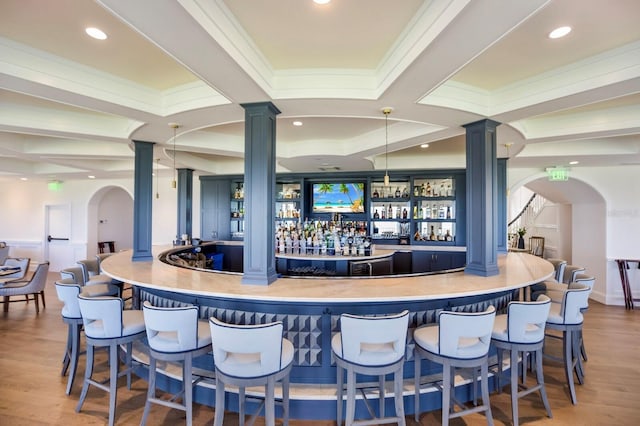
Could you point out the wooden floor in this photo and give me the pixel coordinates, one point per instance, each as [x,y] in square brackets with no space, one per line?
[32,392]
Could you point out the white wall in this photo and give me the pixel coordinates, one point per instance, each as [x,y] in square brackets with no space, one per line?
[115,218]
[600,233]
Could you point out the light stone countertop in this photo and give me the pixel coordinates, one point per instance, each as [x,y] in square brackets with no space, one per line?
[517,270]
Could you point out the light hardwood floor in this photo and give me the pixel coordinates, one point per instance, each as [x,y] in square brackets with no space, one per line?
[32,392]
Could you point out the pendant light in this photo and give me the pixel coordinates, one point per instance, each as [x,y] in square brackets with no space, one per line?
[386,111]
[157,174]
[174,126]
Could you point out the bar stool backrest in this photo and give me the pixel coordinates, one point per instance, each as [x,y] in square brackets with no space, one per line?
[74,273]
[171,330]
[101,316]
[364,336]
[570,272]
[246,350]
[583,279]
[89,268]
[68,292]
[465,335]
[526,320]
[574,301]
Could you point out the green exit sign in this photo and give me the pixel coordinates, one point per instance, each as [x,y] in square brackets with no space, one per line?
[558,174]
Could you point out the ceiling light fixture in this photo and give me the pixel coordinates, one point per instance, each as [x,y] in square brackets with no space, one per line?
[560,32]
[91,177]
[424,145]
[174,126]
[96,33]
[573,163]
[386,111]
[321,1]
[297,123]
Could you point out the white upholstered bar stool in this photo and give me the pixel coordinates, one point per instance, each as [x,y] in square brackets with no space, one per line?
[461,339]
[589,281]
[372,346]
[174,334]
[106,324]
[521,331]
[567,318]
[558,265]
[251,355]
[68,295]
[570,272]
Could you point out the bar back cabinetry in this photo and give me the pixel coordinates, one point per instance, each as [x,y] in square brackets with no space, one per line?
[425,207]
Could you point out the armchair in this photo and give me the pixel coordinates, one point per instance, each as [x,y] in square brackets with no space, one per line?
[35,287]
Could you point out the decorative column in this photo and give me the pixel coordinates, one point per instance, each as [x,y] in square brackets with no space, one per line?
[482,195]
[185,202]
[142,201]
[259,193]
[503,203]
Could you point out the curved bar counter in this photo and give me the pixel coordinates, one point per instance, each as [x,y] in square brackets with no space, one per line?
[310,310]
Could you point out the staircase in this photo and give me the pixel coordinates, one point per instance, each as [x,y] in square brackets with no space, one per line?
[526,218]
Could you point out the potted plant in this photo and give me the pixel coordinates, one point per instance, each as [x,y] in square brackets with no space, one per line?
[521,232]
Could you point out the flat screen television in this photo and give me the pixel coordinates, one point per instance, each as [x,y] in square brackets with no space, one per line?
[338,197]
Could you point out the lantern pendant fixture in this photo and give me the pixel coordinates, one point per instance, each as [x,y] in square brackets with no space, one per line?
[174,126]
[386,111]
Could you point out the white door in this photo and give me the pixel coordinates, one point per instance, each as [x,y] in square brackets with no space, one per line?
[57,247]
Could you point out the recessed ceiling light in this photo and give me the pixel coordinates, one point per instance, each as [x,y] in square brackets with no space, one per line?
[24,178]
[573,163]
[560,32]
[297,123]
[91,177]
[96,33]
[424,145]
[321,1]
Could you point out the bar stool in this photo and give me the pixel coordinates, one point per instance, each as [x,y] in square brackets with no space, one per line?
[570,272]
[372,346]
[521,331]
[251,355]
[91,272]
[589,281]
[558,265]
[462,340]
[174,334]
[68,292]
[567,317]
[106,324]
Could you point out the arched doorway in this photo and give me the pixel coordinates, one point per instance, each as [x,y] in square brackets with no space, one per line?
[574,220]
[110,218]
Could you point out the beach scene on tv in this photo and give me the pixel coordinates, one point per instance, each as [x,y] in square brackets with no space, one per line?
[338,197]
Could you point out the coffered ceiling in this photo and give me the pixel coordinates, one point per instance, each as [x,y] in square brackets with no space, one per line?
[70,105]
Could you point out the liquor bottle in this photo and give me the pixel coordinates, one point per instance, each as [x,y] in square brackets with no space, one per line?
[404,213]
[440,236]
[434,211]
[427,212]
[448,236]
[383,215]
[375,193]
[390,212]
[416,191]
[432,235]
[398,212]
[376,215]
[423,190]
[397,192]
[405,192]
[448,212]
[428,190]
[442,192]
[449,192]
[415,212]
[441,212]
